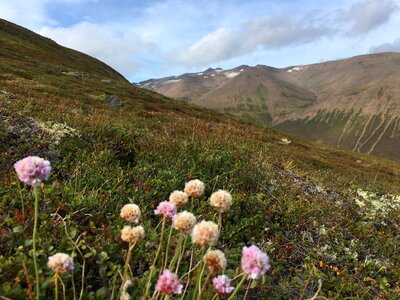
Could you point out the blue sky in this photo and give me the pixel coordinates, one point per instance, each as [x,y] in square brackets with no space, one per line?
[150,39]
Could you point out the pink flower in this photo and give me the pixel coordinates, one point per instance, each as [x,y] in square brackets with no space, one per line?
[222,284]
[168,283]
[254,262]
[167,209]
[32,170]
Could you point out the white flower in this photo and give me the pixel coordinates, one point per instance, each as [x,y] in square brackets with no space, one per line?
[184,221]
[132,234]
[178,198]
[131,213]
[205,232]
[221,200]
[194,188]
[60,263]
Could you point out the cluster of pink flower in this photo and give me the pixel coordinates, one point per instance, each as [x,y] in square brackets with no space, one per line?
[255,263]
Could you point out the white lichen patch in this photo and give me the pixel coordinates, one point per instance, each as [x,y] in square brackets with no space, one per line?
[373,203]
[57,131]
[285,141]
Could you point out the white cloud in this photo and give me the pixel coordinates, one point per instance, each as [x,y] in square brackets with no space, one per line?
[31,13]
[267,33]
[387,47]
[102,41]
[26,13]
[368,15]
[275,32]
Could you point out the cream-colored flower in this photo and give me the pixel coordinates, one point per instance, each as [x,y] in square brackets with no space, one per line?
[131,213]
[60,263]
[221,200]
[178,198]
[184,221]
[194,188]
[215,260]
[205,232]
[132,234]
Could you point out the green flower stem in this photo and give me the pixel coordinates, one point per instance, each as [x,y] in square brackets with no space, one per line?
[198,282]
[167,249]
[238,287]
[178,250]
[199,297]
[22,200]
[188,273]
[148,284]
[36,193]
[182,253]
[56,286]
[202,251]
[128,258]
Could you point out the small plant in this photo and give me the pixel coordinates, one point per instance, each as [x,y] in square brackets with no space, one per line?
[32,170]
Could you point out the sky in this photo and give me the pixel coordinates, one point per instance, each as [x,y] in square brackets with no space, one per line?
[152,39]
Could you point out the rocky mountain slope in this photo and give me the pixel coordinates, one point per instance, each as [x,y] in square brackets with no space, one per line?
[352,103]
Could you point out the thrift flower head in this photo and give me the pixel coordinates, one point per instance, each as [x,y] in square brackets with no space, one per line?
[131,213]
[132,234]
[168,283]
[184,221]
[60,263]
[222,284]
[254,262]
[221,200]
[205,232]
[178,198]
[167,209]
[215,260]
[32,170]
[194,188]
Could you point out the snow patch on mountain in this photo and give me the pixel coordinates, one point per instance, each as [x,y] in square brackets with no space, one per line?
[231,74]
[171,81]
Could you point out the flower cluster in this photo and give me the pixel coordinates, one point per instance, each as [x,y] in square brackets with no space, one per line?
[222,284]
[60,263]
[184,221]
[167,209]
[215,260]
[254,262]
[179,198]
[205,233]
[168,283]
[131,213]
[132,234]
[195,188]
[32,170]
[221,200]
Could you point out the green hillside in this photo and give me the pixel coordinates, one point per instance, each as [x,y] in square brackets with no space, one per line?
[327,218]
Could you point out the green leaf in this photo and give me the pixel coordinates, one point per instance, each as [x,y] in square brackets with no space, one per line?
[18,229]
[73,233]
[103,256]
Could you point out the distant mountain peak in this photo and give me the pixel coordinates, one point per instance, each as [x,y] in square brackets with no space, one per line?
[351,103]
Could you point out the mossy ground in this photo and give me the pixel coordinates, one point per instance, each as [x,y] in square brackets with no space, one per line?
[151,146]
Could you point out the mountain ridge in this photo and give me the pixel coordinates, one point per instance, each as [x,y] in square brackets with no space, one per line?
[360,89]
